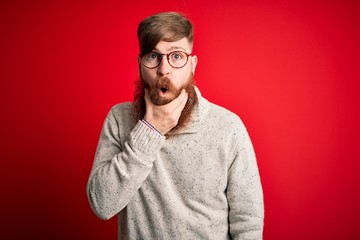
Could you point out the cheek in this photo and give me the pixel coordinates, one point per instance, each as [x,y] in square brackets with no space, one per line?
[146,75]
[183,77]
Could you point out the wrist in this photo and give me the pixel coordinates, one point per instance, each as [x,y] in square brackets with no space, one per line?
[149,125]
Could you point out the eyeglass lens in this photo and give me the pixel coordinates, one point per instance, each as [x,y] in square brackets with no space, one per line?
[176,59]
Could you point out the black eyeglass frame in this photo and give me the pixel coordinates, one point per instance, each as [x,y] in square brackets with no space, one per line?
[161,55]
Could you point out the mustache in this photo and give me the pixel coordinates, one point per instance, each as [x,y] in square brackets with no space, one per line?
[162,83]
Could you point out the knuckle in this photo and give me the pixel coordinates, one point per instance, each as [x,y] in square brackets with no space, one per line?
[168,111]
[174,120]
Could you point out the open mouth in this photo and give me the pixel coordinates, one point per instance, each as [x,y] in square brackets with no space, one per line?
[163,90]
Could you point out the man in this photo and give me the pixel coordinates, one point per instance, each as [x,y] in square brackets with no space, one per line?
[172,165]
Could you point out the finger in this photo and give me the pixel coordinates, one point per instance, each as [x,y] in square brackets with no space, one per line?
[182,99]
[183,94]
[146,97]
[179,99]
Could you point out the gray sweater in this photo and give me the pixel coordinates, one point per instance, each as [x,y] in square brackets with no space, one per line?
[200,184]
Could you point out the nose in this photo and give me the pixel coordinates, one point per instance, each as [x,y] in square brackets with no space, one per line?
[164,68]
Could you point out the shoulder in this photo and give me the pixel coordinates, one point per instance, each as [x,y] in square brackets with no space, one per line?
[227,129]
[224,117]
[227,125]
[121,108]
[121,113]
[217,117]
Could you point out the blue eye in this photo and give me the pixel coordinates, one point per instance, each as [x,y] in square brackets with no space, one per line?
[152,55]
[176,56]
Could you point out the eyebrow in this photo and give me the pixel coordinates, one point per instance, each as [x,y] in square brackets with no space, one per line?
[173,48]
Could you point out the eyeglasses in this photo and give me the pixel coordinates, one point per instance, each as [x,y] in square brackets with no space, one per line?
[176,59]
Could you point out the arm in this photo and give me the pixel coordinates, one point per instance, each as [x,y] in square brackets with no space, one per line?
[244,192]
[118,173]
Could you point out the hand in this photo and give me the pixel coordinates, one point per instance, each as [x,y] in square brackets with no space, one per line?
[165,117]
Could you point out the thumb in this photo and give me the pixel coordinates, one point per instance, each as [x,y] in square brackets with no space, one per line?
[148,102]
[146,96]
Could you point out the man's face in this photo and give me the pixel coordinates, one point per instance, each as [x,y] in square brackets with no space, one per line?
[165,82]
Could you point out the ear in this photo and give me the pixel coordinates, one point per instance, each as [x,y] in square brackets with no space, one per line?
[194,61]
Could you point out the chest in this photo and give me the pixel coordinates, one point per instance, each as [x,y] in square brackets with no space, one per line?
[194,165]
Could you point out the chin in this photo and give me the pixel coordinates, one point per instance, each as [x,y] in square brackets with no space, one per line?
[159,100]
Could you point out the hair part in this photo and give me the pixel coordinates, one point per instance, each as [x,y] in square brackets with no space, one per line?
[167,26]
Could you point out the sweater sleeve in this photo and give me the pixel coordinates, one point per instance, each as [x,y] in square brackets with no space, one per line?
[244,192]
[118,172]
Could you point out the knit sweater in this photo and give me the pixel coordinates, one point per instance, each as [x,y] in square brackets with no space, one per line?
[202,183]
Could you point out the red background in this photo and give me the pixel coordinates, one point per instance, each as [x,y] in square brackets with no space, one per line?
[289,70]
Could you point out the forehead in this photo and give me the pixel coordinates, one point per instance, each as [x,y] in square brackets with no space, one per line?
[165,47]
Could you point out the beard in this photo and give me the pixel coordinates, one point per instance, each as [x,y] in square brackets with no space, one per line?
[161,86]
